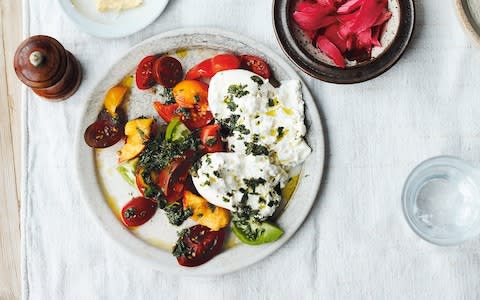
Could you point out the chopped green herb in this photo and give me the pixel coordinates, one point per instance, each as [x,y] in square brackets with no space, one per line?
[252,183]
[238,90]
[194,169]
[225,199]
[155,193]
[176,214]
[116,119]
[180,249]
[257,79]
[242,129]
[272,102]
[231,105]
[168,95]
[278,189]
[211,206]
[184,111]
[211,141]
[244,198]
[229,125]
[255,149]
[157,155]
[208,160]
[129,213]
[216,173]
[280,132]
[242,218]
[196,98]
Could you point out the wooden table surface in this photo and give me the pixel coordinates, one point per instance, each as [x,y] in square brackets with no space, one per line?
[10,153]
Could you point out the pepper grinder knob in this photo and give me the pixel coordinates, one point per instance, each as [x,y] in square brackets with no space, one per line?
[36,58]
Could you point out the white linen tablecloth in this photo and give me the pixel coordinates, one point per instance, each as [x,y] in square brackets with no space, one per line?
[354,244]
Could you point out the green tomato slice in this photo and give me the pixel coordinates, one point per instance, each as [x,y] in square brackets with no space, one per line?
[256,233]
[176,130]
[127,170]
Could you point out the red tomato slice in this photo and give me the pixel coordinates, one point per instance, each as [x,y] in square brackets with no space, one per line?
[192,118]
[211,66]
[256,65]
[223,62]
[171,179]
[166,111]
[178,188]
[167,71]
[144,74]
[138,211]
[196,119]
[201,245]
[203,69]
[211,139]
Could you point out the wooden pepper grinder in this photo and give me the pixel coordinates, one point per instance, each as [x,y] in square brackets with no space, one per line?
[47,68]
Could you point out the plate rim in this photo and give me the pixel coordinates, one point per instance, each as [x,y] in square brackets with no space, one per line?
[147,260]
[97,29]
[401,41]
[469,25]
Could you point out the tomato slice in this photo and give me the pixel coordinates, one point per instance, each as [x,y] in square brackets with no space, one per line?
[196,119]
[138,211]
[256,65]
[191,94]
[171,179]
[178,188]
[166,111]
[120,117]
[102,134]
[223,62]
[192,118]
[211,139]
[144,74]
[167,71]
[256,233]
[142,186]
[209,67]
[197,245]
[203,69]
[107,130]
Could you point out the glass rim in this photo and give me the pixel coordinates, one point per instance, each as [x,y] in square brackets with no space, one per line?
[447,161]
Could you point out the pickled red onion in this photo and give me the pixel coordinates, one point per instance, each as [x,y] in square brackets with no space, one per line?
[343,28]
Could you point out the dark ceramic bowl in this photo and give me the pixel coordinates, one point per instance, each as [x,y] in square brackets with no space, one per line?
[312,61]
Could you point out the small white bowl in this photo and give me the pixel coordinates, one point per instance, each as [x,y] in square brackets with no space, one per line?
[112,24]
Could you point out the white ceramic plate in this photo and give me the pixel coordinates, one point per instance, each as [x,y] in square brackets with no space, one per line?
[94,177]
[112,24]
[469,12]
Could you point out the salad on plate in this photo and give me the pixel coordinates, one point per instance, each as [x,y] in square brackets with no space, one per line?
[216,159]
